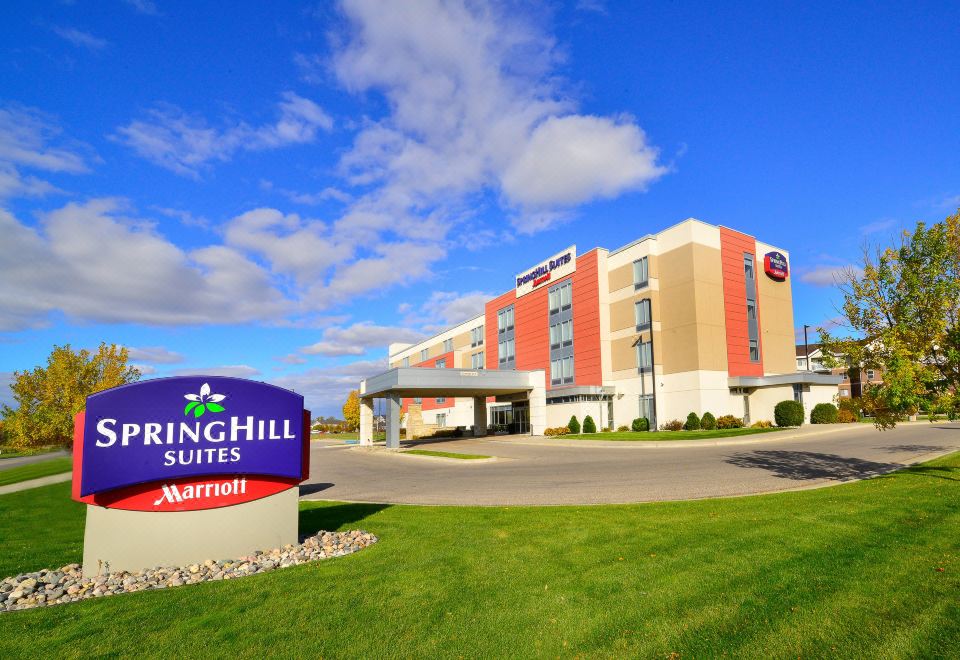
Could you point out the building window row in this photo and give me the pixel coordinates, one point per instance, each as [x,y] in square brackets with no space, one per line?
[753,328]
[505,320]
[641,274]
[476,360]
[561,334]
[476,336]
[506,351]
[424,353]
[645,356]
[447,345]
[441,363]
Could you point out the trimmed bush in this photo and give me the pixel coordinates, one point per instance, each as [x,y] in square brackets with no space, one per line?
[693,422]
[574,425]
[729,422]
[623,429]
[844,416]
[640,424]
[556,430]
[672,425]
[708,422]
[788,413]
[762,424]
[823,413]
[589,426]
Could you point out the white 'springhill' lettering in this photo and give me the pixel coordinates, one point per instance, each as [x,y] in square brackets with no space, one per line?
[214,432]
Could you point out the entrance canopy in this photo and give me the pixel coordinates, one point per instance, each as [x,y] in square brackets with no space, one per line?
[409,382]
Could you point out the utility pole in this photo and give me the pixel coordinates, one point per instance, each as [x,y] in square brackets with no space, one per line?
[806,346]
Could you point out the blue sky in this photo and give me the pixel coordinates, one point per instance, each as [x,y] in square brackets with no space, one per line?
[278,190]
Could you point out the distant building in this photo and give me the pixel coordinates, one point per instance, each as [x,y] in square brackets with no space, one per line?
[852,381]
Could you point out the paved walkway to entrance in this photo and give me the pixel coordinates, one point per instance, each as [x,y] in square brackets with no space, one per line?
[541,471]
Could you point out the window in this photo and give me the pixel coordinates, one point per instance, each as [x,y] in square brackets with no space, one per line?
[476,360]
[748,265]
[561,371]
[423,354]
[640,273]
[645,356]
[506,351]
[505,319]
[561,334]
[641,312]
[798,392]
[801,363]
[844,377]
[751,309]
[476,336]
[441,364]
[754,350]
[418,400]
[561,297]
[441,417]
[870,374]
[447,345]
[555,335]
[405,362]
[441,399]
[844,392]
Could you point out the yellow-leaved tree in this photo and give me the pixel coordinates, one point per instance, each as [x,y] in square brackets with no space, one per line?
[351,410]
[48,397]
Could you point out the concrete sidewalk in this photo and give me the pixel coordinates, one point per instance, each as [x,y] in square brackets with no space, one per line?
[35,483]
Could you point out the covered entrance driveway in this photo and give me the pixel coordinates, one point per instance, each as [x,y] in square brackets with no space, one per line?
[408,382]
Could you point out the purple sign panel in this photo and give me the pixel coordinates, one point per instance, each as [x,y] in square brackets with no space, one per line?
[190,426]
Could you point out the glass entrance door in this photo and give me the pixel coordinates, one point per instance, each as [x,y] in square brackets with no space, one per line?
[521,419]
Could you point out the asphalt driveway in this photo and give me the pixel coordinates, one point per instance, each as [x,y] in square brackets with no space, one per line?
[537,471]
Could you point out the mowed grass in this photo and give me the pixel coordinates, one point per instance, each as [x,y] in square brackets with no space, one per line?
[646,436]
[444,454]
[867,569]
[34,470]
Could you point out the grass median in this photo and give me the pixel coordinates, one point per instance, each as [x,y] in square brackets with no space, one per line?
[867,569]
[445,454]
[34,470]
[647,436]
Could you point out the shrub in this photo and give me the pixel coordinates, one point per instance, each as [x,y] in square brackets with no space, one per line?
[762,424]
[708,422]
[729,422]
[606,429]
[622,429]
[574,425]
[844,416]
[589,426]
[672,425]
[823,413]
[693,422]
[788,413]
[850,407]
[556,430]
[640,424]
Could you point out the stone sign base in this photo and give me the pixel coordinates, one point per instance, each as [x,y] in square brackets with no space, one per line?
[119,540]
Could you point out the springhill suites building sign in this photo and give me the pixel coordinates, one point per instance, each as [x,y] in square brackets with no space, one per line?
[547,271]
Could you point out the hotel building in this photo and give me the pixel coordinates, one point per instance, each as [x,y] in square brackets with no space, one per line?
[694,318]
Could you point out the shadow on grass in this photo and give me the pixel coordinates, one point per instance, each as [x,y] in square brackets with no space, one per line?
[808,465]
[331,518]
[935,471]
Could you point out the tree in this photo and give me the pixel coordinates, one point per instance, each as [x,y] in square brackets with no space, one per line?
[904,311]
[589,426]
[573,425]
[48,397]
[708,422]
[693,422]
[351,410]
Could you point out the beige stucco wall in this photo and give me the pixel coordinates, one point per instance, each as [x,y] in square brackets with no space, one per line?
[777,334]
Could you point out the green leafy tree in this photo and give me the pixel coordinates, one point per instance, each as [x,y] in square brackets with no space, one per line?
[708,422]
[574,425]
[693,422]
[589,426]
[48,397]
[904,311]
[351,410]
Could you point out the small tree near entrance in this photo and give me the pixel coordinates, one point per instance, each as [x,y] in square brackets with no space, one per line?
[574,425]
[351,410]
[589,426]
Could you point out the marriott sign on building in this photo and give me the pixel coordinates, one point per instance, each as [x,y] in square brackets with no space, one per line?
[179,470]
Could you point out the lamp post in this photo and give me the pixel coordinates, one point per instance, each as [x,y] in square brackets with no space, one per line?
[806,346]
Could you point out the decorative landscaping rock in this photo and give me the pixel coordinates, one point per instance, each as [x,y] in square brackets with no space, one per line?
[67,585]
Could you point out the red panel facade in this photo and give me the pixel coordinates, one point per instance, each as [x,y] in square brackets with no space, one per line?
[430,403]
[733,245]
[532,325]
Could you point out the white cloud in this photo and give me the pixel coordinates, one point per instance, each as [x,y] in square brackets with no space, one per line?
[325,389]
[234,370]
[828,275]
[154,355]
[359,338]
[145,369]
[474,106]
[877,227]
[98,264]
[450,308]
[292,358]
[185,143]
[147,7]
[6,394]
[80,38]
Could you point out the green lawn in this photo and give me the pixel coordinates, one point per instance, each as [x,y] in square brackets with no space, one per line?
[664,435]
[849,571]
[444,454]
[35,470]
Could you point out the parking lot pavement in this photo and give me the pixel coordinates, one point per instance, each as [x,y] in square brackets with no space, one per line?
[529,472]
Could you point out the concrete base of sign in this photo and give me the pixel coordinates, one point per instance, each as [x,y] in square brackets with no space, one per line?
[118,540]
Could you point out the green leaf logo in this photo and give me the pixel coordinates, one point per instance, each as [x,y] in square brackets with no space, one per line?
[203,402]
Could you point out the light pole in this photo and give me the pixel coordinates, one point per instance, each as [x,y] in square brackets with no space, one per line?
[806,346]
